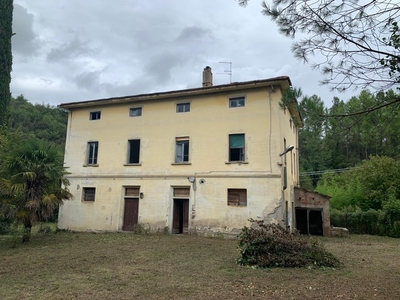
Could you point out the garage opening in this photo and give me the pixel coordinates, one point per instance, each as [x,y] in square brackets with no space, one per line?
[309,221]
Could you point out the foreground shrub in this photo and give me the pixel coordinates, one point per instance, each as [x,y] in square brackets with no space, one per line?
[270,245]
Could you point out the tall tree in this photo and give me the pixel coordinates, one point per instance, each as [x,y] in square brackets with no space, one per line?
[6,15]
[33,183]
[313,155]
[354,43]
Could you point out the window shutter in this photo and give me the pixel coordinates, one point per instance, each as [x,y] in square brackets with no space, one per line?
[237,197]
[236,141]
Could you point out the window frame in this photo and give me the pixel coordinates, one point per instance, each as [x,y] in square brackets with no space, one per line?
[184,105]
[95,115]
[241,195]
[131,109]
[236,99]
[242,152]
[130,162]
[92,155]
[88,197]
[184,143]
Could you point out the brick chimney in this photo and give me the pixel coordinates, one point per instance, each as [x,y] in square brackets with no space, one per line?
[207,77]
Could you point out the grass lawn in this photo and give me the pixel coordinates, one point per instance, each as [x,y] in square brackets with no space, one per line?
[126,266]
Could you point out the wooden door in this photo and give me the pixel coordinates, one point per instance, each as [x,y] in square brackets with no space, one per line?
[180,222]
[131,213]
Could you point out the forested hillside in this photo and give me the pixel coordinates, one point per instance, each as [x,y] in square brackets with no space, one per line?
[351,152]
[45,122]
[346,137]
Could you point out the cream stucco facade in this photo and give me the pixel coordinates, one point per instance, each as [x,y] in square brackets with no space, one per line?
[184,166]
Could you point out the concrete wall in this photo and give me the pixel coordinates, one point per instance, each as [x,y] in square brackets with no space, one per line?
[208,124]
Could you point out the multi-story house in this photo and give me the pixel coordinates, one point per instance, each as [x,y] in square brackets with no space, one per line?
[201,160]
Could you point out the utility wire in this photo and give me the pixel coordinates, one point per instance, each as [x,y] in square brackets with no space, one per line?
[312,173]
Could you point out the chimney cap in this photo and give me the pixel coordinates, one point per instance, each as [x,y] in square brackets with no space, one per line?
[207,77]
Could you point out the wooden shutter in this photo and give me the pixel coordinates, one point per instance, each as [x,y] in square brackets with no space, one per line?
[237,197]
[89,194]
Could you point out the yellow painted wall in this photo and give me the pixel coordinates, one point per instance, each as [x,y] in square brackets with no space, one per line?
[208,124]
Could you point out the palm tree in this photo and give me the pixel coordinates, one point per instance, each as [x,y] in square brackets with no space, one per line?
[33,183]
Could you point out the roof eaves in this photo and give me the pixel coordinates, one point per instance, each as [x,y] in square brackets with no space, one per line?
[176,93]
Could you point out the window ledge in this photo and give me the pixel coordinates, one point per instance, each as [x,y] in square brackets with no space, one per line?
[132,165]
[181,163]
[236,162]
[95,165]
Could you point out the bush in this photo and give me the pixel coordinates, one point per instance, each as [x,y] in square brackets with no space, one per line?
[271,245]
[4,224]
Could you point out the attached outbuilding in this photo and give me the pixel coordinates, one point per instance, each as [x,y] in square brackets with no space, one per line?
[312,212]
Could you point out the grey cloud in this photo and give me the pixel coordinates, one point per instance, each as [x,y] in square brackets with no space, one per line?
[190,45]
[87,80]
[138,86]
[160,66]
[24,41]
[189,34]
[71,50]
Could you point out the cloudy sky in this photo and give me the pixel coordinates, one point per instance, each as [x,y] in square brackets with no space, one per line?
[74,50]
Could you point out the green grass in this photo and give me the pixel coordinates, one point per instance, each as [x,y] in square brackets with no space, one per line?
[68,265]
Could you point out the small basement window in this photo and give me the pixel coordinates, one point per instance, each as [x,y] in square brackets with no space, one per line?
[95,115]
[237,197]
[236,102]
[135,112]
[182,107]
[89,194]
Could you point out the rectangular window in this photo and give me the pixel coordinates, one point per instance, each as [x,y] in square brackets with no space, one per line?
[182,149]
[89,194]
[236,147]
[182,107]
[93,148]
[95,115]
[135,112]
[236,102]
[134,151]
[237,197]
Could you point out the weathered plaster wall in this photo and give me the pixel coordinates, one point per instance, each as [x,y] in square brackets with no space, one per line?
[208,203]
[208,124]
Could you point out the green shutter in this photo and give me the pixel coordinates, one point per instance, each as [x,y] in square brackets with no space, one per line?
[236,141]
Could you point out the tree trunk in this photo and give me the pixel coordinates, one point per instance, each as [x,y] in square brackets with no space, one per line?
[27,231]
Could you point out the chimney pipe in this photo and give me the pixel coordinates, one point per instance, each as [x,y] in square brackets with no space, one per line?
[207,77]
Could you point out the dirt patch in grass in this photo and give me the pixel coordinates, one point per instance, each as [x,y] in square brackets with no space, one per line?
[127,266]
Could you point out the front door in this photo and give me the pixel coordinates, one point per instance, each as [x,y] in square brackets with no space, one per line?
[131,213]
[180,222]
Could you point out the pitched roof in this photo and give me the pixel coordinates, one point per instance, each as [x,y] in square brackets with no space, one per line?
[284,81]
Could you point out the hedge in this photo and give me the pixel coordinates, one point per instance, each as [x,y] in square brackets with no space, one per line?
[375,222]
